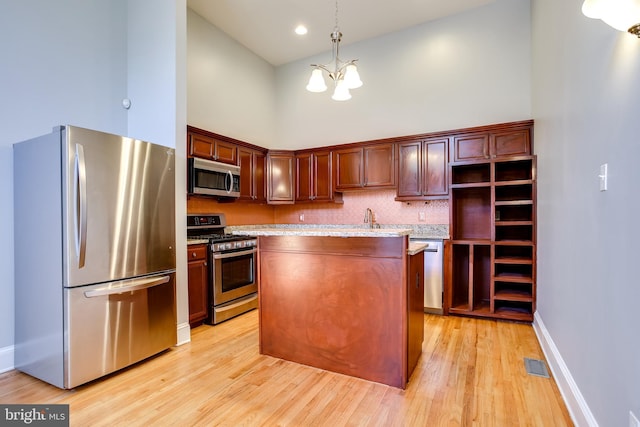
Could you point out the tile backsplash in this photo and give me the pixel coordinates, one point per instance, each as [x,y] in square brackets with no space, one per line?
[382,203]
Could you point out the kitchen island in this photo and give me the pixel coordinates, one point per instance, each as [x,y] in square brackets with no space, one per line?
[344,300]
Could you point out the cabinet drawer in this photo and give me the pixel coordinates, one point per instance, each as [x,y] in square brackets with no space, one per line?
[196,252]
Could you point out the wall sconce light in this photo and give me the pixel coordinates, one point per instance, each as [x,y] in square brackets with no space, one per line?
[623,15]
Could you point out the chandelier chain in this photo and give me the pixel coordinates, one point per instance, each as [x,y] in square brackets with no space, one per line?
[336,14]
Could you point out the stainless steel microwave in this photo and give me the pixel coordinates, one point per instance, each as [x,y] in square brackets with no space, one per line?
[213,178]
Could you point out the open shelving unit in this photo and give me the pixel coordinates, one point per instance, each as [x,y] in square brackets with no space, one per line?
[493,249]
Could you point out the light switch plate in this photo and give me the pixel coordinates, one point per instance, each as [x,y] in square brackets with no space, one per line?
[603,177]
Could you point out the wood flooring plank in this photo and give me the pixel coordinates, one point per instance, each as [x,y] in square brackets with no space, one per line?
[471,373]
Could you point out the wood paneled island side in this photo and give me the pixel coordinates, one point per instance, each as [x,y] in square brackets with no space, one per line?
[341,303]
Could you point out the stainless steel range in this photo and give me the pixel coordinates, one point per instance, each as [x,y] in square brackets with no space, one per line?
[233,286]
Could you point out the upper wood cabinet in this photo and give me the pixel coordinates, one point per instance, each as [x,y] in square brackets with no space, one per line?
[314,178]
[280,177]
[491,145]
[252,177]
[368,166]
[422,169]
[207,147]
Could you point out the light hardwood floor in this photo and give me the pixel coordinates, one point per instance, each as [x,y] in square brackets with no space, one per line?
[471,373]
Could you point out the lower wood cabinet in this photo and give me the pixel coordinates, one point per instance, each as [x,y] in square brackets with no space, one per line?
[198,281]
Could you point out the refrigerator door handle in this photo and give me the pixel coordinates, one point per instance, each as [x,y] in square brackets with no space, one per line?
[127,286]
[80,211]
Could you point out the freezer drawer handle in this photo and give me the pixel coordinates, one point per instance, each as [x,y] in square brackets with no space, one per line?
[127,286]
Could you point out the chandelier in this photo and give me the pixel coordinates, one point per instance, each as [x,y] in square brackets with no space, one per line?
[343,73]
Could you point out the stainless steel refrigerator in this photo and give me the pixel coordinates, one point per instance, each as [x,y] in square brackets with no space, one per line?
[94,239]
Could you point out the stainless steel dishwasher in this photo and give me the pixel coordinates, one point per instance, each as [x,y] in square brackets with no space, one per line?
[433,266]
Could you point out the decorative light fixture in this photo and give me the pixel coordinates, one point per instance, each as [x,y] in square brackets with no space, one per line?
[623,15]
[343,73]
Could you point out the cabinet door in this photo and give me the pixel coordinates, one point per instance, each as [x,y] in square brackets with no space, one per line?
[226,152]
[470,147]
[349,168]
[511,143]
[379,167]
[201,146]
[280,178]
[251,175]
[304,173]
[322,176]
[259,188]
[409,170]
[197,283]
[209,148]
[245,158]
[435,157]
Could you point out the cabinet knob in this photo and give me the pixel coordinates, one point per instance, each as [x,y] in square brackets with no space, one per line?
[194,254]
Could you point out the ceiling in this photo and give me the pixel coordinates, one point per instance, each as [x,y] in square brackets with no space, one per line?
[267,27]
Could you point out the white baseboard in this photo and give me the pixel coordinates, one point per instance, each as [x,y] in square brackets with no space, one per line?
[578,408]
[6,359]
[184,333]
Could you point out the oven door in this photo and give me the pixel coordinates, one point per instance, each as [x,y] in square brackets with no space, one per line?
[233,275]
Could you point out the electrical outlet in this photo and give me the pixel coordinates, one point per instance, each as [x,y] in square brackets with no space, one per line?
[422,216]
[301,217]
[633,421]
[603,177]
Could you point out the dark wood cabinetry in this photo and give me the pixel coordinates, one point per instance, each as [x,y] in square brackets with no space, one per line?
[208,147]
[197,286]
[314,176]
[415,309]
[368,166]
[423,169]
[492,254]
[252,176]
[280,177]
[491,145]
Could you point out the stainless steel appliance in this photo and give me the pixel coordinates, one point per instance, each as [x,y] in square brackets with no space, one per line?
[213,178]
[94,224]
[233,286]
[433,268]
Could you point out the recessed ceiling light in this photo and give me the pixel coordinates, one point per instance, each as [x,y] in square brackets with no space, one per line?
[301,30]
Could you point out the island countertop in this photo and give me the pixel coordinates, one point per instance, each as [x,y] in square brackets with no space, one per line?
[325,232]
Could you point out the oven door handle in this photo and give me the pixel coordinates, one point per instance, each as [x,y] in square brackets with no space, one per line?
[233,254]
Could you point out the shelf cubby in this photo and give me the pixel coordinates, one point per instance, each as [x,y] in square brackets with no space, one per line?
[471,174]
[472,213]
[516,170]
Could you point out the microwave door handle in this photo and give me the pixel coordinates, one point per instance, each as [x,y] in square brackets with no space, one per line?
[130,286]
[228,181]
[80,202]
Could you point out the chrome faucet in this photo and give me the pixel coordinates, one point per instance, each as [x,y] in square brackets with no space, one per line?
[368,217]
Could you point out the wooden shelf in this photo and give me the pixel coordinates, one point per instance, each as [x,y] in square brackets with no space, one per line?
[512,260]
[492,219]
[512,223]
[513,295]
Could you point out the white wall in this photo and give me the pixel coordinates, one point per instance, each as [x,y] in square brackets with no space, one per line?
[157,88]
[64,62]
[466,70]
[231,90]
[68,62]
[585,92]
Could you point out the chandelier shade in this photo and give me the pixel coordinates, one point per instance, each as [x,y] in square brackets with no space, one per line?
[344,74]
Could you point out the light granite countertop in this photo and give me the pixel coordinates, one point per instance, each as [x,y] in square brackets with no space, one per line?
[425,231]
[326,232]
[416,248]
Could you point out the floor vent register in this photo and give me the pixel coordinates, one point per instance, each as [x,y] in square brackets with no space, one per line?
[536,367]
